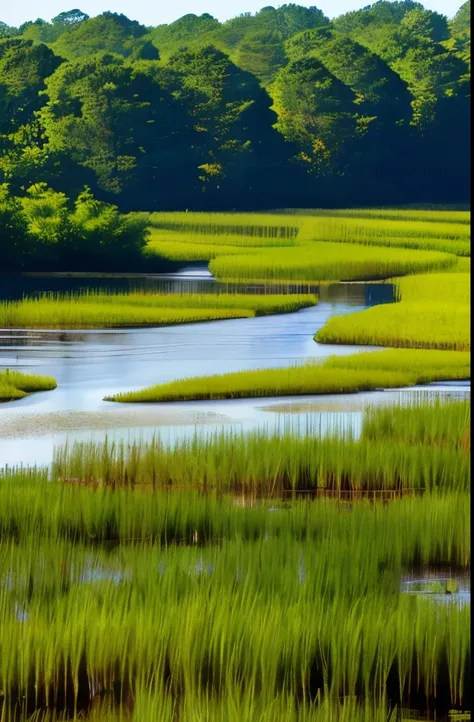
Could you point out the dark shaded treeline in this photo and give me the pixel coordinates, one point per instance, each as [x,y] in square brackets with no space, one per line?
[283,108]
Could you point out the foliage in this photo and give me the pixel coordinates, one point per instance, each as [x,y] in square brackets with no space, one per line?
[24,68]
[43,228]
[121,122]
[316,112]
[109,32]
[268,110]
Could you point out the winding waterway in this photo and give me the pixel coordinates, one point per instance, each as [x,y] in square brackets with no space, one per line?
[88,365]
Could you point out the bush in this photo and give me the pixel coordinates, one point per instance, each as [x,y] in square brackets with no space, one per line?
[44,229]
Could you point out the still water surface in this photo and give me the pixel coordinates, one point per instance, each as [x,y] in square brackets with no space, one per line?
[89,365]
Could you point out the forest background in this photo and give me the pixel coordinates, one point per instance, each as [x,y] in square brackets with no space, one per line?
[285,108]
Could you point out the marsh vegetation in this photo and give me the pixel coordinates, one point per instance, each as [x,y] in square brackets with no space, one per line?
[242,566]
[254,576]
[124,563]
[348,374]
[16,385]
[109,310]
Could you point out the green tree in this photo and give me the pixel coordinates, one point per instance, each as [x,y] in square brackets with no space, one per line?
[426,24]
[101,234]
[6,31]
[43,229]
[24,68]
[47,218]
[460,33]
[261,53]
[109,33]
[70,18]
[188,31]
[13,231]
[317,112]
[380,14]
[122,122]
[380,92]
[241,149]
[43,32]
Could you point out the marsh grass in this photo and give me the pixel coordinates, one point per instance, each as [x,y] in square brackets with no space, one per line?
[433,312]
[206,239]
[182,244]
[15,385]
[153,594]
[205,511]
[462,265]
[345,374]
[322,261]
[219,237]
[433,215]
[182,251]
[442,424]
[435,288]
[108,310]
[425,216]
[292,381]
[449,237]
[171,583]
[416,325]
[260,225]
[427,365]
[267,464]
[290,609]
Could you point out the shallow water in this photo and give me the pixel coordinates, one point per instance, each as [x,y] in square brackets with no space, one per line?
[89,365]
[428,574]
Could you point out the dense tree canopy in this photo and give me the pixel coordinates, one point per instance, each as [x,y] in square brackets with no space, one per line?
[121,121]
[283,107]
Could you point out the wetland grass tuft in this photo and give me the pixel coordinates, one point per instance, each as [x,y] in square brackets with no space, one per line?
[399,214]
[443,424]
[433,312]
[425,235]
[205,581]
[321,261]
[112,310]
[268,464]
[345,374]
[15,385]
[138,586]
[286,611]
[435,288]
[251,225]
[403,325]
[247,246]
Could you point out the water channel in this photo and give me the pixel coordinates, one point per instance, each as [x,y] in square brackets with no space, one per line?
[88,365]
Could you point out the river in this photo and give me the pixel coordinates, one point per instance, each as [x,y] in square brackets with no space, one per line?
[88,365]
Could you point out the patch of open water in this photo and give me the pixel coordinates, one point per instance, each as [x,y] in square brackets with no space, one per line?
[89,365]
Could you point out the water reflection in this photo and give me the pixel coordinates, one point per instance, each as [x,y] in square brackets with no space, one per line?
[89,365]
[426,581]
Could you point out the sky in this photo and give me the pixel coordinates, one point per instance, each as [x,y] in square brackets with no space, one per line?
[156,12]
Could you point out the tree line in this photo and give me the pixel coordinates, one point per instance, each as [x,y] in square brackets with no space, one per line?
[283,108]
